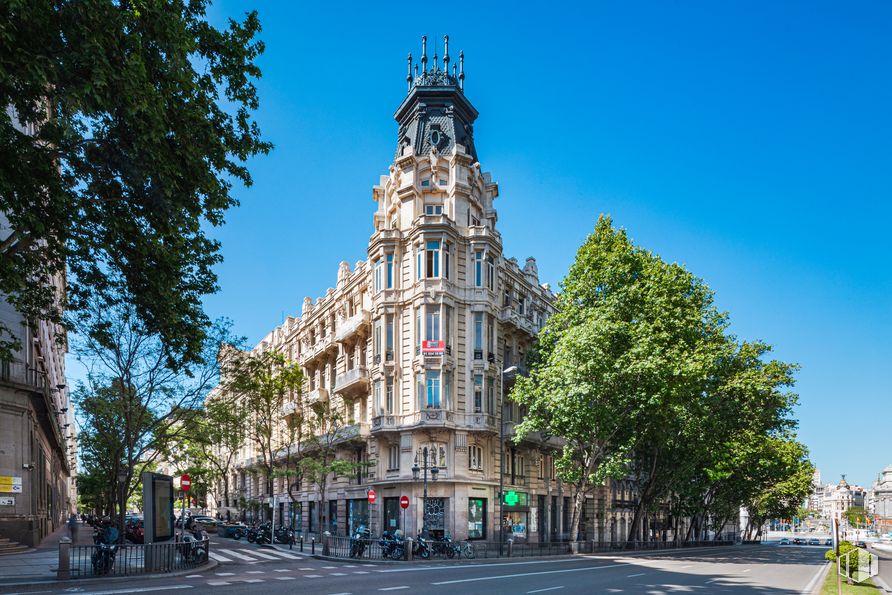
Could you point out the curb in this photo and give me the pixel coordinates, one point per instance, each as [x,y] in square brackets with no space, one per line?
[818,580]
[41,579]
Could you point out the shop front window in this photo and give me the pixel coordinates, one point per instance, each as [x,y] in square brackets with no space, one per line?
[476,518]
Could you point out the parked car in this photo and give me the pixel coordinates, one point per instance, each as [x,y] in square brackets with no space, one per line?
[784,541]
[814,541]
[134,530]
[860,544]
[828,541]
[798,541]
[207,523]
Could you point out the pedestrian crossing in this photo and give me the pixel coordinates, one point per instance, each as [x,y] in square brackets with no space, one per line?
[251,555]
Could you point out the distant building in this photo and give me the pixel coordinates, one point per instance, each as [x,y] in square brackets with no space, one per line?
[882,494]
[816,497]
[839,498]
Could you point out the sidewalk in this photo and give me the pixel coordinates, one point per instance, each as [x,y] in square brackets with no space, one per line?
[42,561]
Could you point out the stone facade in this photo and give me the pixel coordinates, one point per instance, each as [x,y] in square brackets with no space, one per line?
[411,344]
[37,441]
[881,493]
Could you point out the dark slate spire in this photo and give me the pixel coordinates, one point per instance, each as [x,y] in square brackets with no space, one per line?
[436,113]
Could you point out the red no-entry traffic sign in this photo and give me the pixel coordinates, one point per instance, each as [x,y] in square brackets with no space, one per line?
[404,502]
[372,496]
[185,482]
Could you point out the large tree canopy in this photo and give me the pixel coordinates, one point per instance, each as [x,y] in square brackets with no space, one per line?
[637,373]
[124,126]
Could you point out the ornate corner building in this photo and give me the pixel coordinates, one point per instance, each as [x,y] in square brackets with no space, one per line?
[411,346]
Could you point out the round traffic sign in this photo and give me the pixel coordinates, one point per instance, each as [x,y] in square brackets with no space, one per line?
[404,502]
[185,482]
[372,496]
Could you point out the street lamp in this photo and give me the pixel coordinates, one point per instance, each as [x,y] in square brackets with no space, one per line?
[505,373]
[425,461]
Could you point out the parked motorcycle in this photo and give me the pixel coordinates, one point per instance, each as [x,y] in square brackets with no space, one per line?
[392,546]
[421,548]
[194,546]
[358,541]
[103,558]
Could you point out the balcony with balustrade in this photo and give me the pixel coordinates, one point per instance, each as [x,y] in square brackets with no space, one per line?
[434,418]
[317,395]
[352,382]
[353,325]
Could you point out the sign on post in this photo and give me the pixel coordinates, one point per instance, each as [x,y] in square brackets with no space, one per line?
[372,496]
[185,482]
[404,502]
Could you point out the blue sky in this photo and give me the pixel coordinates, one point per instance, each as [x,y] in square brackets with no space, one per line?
[749,141]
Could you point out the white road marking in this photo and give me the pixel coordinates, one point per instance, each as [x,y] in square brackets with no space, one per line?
[394,588]
[286,555]
[312,576]
[239,555]
[329,567]
[137,590]
[360,572]
[218,557]
[337,574]
[341,594]
[262,555]
[284,578]
[577,560]
[746,570]
[634,575]
[189,576]
[686,566]
[306,569]
[546,589]
[282,570]
[254,572]
[252,580]
[225,573]
[504,576]
[218,583]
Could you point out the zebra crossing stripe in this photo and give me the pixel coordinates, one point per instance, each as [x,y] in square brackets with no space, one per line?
[218,557]
[240,556]
[262,555]
[287,555]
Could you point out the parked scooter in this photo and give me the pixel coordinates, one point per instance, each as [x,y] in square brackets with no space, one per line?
[421,548]
[194,547]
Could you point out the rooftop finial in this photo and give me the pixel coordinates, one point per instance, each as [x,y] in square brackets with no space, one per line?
[424,53]
[446,54]
[461,70]
[409,73]
[436,63]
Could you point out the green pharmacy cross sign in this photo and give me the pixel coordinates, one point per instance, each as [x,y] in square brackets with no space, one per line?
[511,498]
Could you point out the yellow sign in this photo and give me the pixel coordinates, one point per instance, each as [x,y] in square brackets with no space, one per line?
[10,484]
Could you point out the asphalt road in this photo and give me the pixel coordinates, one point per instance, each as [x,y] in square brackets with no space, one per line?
[767,569]
[885,556]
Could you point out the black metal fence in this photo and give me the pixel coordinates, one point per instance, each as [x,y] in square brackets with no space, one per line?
[131,559]
[370,549]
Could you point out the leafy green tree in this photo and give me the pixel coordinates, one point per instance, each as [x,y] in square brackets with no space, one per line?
[258,385]
[137,119]
[637,373]
[134,401]
[321,460]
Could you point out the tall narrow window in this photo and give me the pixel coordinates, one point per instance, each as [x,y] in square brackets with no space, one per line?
[445,260]
[478,393]
[447,390]
[433,389]
[490,396]
[432,260]
[478,335]
[490,272]
[389,279]
[447,327]
[490,337]
[378,273]
[377,397]
[418,336]
[478,268]
[418,259]
[388,397]
[376,341]
[388,354]
[432,330]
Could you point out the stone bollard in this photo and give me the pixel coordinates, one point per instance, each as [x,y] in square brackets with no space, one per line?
[301,543]
[64,571]
[510,546]
[326,543]
[409,543]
